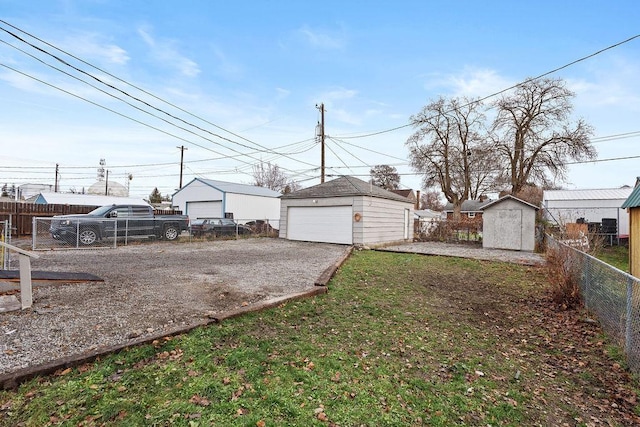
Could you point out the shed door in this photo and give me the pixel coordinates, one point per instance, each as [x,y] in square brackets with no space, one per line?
[509,222]
[329,224]
[197,210]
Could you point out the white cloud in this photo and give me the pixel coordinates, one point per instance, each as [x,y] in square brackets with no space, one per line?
[90,46]
[164,51]
[321,40]
[470,83]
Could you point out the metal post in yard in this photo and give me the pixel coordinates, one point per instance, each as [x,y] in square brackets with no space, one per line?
[115,233]
[628,332]
[34,225]
[587,281]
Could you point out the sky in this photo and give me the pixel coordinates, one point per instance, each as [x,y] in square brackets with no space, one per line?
[236,83]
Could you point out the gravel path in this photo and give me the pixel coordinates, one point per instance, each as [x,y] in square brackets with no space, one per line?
[149,288]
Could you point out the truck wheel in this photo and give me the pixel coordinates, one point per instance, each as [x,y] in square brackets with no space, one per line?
[171,232]
[87,236]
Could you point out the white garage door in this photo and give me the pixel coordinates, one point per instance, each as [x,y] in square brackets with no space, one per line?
[197,210]
[330,224]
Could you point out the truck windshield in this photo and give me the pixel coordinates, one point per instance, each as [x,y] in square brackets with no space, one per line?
[100,211]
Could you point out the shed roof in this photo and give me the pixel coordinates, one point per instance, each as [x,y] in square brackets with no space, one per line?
[507,197]
[594,194]
[633,201]
[86,199]
[235,188]
[344,186]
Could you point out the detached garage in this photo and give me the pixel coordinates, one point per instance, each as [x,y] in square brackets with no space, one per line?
[207,198]
[347,211]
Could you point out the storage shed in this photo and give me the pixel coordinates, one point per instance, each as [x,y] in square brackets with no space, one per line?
[509,223]
[562,207]
[207,198]
[632,205]
[346,210]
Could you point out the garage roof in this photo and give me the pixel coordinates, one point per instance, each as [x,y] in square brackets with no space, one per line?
[232,187]
[344,186]
[594,194]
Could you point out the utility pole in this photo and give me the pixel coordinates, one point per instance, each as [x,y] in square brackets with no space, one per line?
[55,187]
[106,184]
[321,108]
[182,148]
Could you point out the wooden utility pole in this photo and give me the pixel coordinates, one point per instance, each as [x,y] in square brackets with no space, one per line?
[55,188]
[106,184]
[321,108]
[182,148]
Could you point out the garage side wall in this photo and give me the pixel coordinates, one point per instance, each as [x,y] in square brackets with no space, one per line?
[562,212]
[382,221]
[247,207]
[197,191]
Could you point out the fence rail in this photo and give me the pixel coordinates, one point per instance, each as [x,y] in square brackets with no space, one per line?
[611,295]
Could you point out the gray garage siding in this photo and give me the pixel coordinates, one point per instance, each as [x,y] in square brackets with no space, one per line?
[382,220]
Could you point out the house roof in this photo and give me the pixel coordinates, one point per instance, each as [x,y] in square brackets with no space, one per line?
[427,213]
[86,199]
[594,194]
[507,197]
[232,187]
[344,186]
[408,193]
[468,206]
[633,201]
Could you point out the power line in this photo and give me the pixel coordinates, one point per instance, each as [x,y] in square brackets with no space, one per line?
[140,89]
[476,101]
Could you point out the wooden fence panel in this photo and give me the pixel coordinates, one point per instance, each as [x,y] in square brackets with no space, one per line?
[21,214]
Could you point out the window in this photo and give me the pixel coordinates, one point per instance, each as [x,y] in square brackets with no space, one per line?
[141,211]
[471,214]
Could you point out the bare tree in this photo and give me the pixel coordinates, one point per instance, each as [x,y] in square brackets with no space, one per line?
[270,176]
[450,148]
[535,136]
[385,176]
[431,200]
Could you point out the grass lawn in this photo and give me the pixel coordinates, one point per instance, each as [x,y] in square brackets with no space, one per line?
[617,256]
[399,339]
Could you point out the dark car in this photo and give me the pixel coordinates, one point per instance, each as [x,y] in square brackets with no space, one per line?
[217,227]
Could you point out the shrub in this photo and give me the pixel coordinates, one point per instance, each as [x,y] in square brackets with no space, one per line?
[563,273]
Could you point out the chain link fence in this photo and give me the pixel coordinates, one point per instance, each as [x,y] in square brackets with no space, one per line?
[5,236]
[611,295]
[74,233]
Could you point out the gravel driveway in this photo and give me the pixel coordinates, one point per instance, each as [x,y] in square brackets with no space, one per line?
[149,288]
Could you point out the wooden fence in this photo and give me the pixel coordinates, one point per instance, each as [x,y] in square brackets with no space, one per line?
[21,214]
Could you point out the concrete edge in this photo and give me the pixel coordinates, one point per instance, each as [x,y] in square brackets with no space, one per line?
[12,380]
[328,273]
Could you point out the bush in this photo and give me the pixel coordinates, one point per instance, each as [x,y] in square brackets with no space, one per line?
[563,273]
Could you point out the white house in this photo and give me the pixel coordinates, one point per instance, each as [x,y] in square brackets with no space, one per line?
[346,210]
[85,200]
[207,198]
[569,206]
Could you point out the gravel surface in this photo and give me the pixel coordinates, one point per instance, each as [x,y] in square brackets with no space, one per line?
[151,287]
